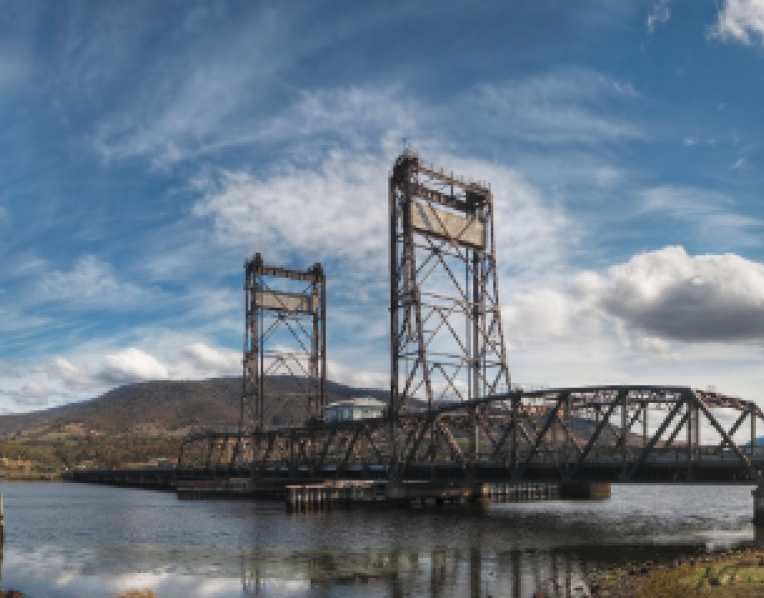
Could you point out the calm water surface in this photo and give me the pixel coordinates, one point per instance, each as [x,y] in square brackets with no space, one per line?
[79,540]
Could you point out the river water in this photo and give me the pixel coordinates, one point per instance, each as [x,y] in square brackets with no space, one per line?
[76,540]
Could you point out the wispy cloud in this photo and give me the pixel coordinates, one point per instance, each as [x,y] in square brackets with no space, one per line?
[660,14]
[210,359]
[92,283]
[562,107]
[712,213]
[202,101]
[195,96]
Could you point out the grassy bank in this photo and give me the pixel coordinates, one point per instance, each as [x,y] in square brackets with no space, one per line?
[734,574]
[50,455]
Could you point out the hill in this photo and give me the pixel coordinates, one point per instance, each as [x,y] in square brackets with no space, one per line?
[154,408]
[137,422]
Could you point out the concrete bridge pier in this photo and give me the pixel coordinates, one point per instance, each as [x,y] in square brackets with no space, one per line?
[758,508]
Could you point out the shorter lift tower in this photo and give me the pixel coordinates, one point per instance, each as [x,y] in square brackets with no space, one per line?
[446,329]
[284,346]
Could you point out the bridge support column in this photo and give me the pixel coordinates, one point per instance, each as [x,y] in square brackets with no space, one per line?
[758,507]
[584,491]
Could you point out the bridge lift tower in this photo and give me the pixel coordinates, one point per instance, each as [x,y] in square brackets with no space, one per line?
[446,330]
[285,342]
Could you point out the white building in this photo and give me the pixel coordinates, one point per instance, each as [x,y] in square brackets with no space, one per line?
[355,408]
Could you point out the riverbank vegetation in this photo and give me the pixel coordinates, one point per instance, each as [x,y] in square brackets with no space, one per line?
[735,574]
[41,455]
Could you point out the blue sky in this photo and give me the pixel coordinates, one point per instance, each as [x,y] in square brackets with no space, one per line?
[147,149]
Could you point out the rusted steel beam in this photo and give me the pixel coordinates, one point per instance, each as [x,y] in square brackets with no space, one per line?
[734,429]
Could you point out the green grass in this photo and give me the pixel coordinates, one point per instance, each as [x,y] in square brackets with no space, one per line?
[734,577]
[108,451]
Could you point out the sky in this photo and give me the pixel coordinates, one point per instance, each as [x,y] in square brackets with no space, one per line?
[147,149]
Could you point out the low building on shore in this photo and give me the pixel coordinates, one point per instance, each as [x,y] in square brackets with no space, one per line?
[354,409]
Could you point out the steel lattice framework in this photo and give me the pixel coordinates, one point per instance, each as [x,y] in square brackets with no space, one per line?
[472,427]
[447,341]
[285,338]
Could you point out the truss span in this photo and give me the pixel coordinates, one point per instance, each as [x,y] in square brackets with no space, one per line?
[616,434]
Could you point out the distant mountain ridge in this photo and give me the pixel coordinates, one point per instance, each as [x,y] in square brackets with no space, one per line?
[165,405]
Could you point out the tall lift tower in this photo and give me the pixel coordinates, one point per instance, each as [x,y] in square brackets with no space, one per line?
[285,342]
[445,316]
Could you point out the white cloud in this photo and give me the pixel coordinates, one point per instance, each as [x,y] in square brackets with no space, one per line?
[662,317]
[337,211]
[705,298]
[543,313]
[219,362]
[659,15]
[741,21]
[91,283]
[69,372]
[131,365]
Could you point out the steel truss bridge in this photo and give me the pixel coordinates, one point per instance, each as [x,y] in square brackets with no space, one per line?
[612,434]
[453,414]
